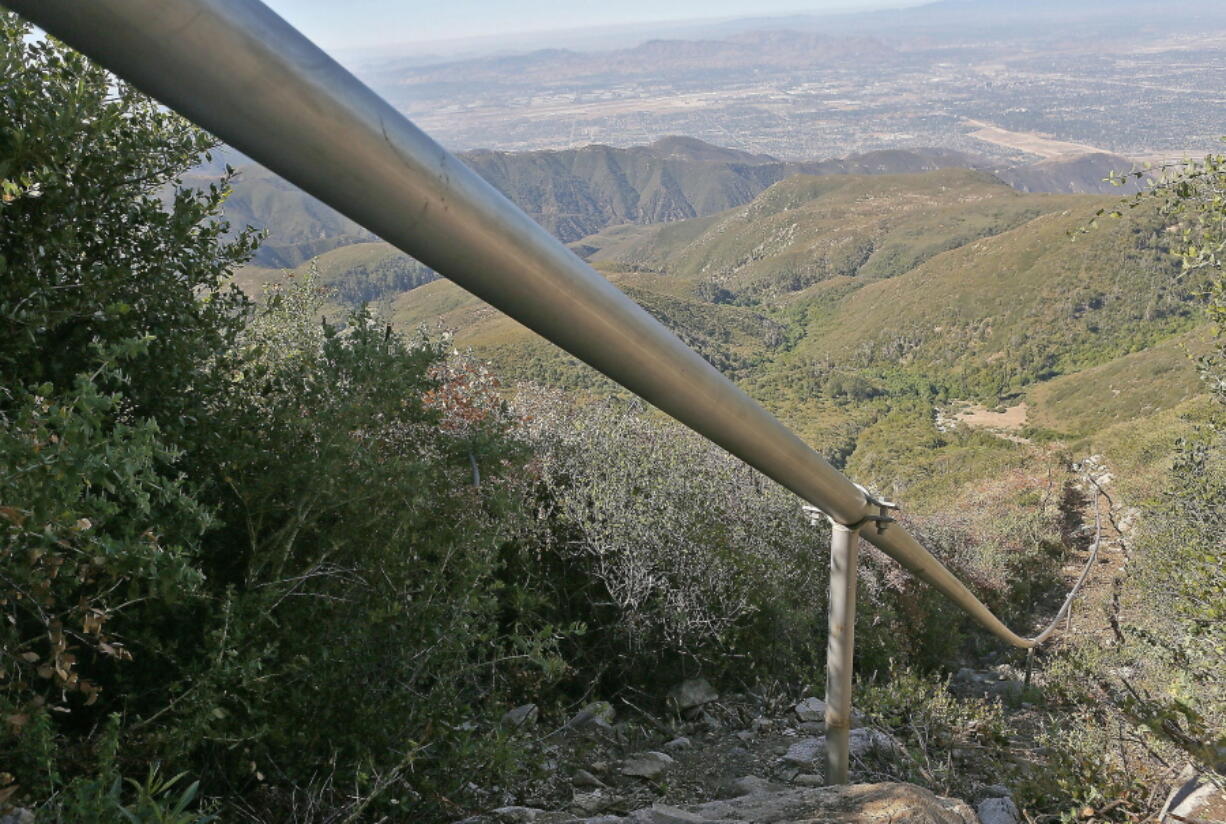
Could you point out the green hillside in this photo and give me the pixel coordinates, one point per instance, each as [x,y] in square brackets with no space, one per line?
[1129,387]
[367,272]
[840,300]
[854,305]
[299,226]
[808,229]
[991,317]
[572,192]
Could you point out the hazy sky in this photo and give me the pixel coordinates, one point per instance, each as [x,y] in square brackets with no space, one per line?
[358,23]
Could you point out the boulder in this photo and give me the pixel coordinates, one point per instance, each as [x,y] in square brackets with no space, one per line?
[998,811]
[811,709]
[664,814]
[806,752]
[593,802]
[647,764]
[751,784]
[695,692]
[853,804]
[588,722]
[811,752]
[583,778]
[515,815]
[524,716]
[864,740]
[602,710]
[1193,798]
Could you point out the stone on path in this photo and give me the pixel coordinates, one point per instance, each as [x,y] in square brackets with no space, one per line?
[807,752]
[751,784]
[693,693]
[583,778]
[811,752]
[853,804]
[1194,797]
[998,811]
[602,710]
[647,764]
[524,716]
[664,814]
[866,739]
[515,815]
[811,709]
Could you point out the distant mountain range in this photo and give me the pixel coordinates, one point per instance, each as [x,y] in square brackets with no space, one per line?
[574,193]
[740,52]
[1040,20]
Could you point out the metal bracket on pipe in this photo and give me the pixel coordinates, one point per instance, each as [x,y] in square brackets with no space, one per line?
[882,519]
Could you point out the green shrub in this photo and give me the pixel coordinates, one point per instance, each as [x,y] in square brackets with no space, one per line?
[949,743]
[666,548]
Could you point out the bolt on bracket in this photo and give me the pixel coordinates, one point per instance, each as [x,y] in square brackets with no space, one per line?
[882,519]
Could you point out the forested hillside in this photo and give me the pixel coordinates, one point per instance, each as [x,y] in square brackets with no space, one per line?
[303,555]
[578,192]
[829,296]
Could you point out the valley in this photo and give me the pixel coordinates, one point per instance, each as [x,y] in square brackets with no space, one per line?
[844,302]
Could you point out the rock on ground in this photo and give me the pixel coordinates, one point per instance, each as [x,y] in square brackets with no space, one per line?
[852,804]
[515,815]
[647,764]
[18,815]
[811,709]
[811,752]
[693,693]
[998,811]
[524,716]
[1195,797]
[751,784]
[806,752]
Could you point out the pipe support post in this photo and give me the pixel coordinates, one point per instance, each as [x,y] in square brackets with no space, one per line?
[840,648]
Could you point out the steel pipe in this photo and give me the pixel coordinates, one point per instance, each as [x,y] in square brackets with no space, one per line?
[241,72]
[840,646]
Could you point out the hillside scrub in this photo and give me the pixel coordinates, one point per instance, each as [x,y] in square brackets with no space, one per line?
[310,564]
[677,550]
[235,542]
[1150,690]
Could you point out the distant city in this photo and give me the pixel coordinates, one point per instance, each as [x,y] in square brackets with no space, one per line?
[804,88]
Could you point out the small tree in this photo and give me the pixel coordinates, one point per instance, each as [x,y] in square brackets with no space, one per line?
[113,306]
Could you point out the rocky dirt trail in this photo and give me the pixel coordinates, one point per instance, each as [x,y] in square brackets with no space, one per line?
[750,758]
[759,763]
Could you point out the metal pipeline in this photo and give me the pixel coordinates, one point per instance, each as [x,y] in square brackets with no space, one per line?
[241,72]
